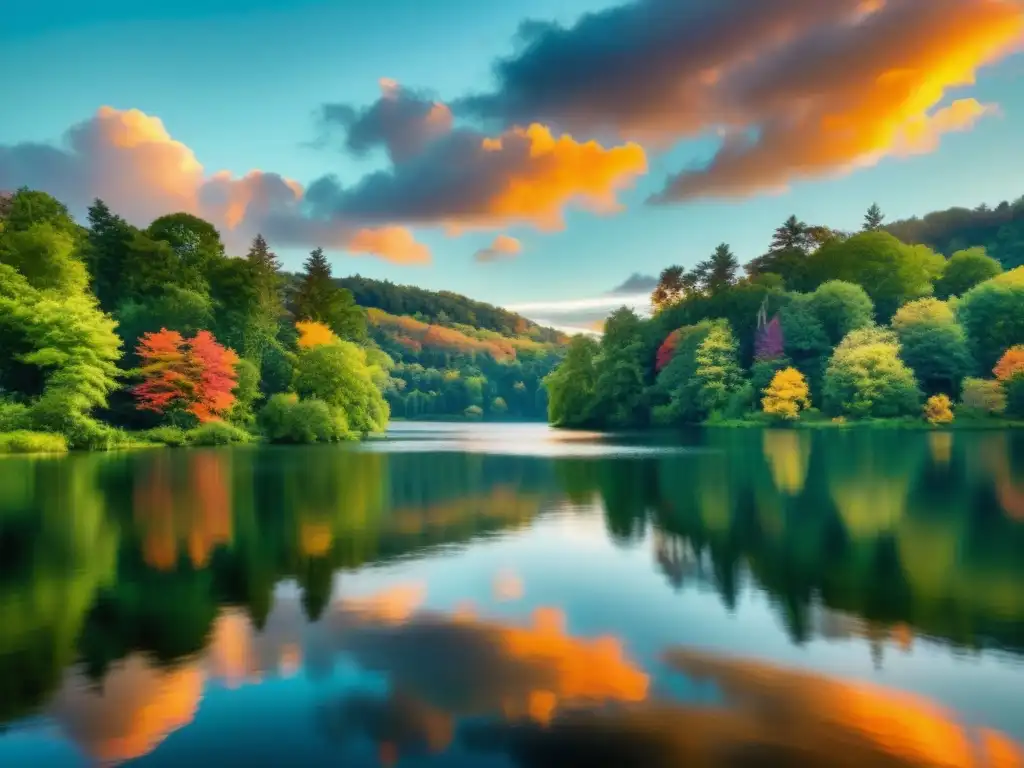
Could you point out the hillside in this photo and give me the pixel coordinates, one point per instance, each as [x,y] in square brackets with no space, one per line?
[455,356]
[1000,230]
[443,308]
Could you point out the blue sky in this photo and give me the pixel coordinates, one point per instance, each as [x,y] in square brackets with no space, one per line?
[239,83]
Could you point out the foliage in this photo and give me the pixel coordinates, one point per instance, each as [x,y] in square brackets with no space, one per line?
[666,351]
[571,385]
[718,373]
[339,375]
[999,229]
[186,376]
[938,410]
[771,341]
[14,416]
[992,314]
[866,378]
[172,437]
[787,395]
[964,270]
[890,272]
[24,441]
[443,308]
[620,386]
[45,256]
[217,433]
[934,345]
[313,334]
[319,298]
[246,393]
[474,413]
[840,307]
[982,397]
[1013,387]
[1010,364]
[286,419]
[59,353]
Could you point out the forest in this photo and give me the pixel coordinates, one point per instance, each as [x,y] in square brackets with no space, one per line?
[114,336]
[825,328]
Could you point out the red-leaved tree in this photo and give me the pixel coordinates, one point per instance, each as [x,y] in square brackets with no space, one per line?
[180,375]
[666,351]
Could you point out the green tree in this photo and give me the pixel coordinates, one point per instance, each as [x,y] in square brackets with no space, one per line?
[619,391]
[195,242]
[964,270]
[934,345]
[45,256]
[718,374]
[572,384]
[60,355]
[338,374]
[720,270]
[319,298]
[840,308]
[992,313]
[28,207]
[791,236]
[867,378]
[890,272]
[806,342]
[873,219]
[108,255]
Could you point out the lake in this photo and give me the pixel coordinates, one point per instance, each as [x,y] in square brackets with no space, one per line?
[509,595]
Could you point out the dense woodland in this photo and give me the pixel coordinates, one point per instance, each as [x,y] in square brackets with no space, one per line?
[112,334]
[824,325]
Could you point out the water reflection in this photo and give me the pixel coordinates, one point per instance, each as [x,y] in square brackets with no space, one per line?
[132,585]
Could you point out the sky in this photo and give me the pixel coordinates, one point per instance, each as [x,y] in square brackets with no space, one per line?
[545,155]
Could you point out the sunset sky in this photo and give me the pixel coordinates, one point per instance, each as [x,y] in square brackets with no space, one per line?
[532,153]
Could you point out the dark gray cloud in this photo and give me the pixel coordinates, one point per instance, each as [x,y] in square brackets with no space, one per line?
[401,121]
[462,177]
[634,284]
[796,88]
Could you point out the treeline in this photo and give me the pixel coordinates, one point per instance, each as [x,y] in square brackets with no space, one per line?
[443,308]
[111,333]
[1000,230]
[849,326]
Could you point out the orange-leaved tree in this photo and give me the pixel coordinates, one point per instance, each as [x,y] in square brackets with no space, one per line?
[314,334]
[1010,364]
[185,376]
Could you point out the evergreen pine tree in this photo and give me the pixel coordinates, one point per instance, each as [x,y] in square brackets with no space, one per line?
[873,218]
[792,235]
[319,298]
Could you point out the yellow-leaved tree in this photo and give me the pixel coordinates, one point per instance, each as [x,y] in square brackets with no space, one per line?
[938,410]
[787,395]
[314,334]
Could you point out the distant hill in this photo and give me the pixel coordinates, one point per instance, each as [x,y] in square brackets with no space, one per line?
[456,358]
[444,308]
[1000,230]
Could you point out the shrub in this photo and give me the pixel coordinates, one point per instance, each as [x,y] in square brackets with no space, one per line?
[23,441]
[217,433]
[287,419]
[14,416]
[474,412]
[938,410]
[1014,389]
[787,395]
[174,437]
[981,398]
[741,402]
[866,378]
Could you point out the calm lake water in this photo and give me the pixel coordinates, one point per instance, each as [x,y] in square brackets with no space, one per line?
[505,595]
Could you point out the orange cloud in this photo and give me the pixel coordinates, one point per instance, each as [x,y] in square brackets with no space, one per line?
[502,247]
[394,244]
[128,159]
[796,89]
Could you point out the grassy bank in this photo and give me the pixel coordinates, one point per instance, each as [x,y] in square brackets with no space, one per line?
[25,442]
[913,425]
